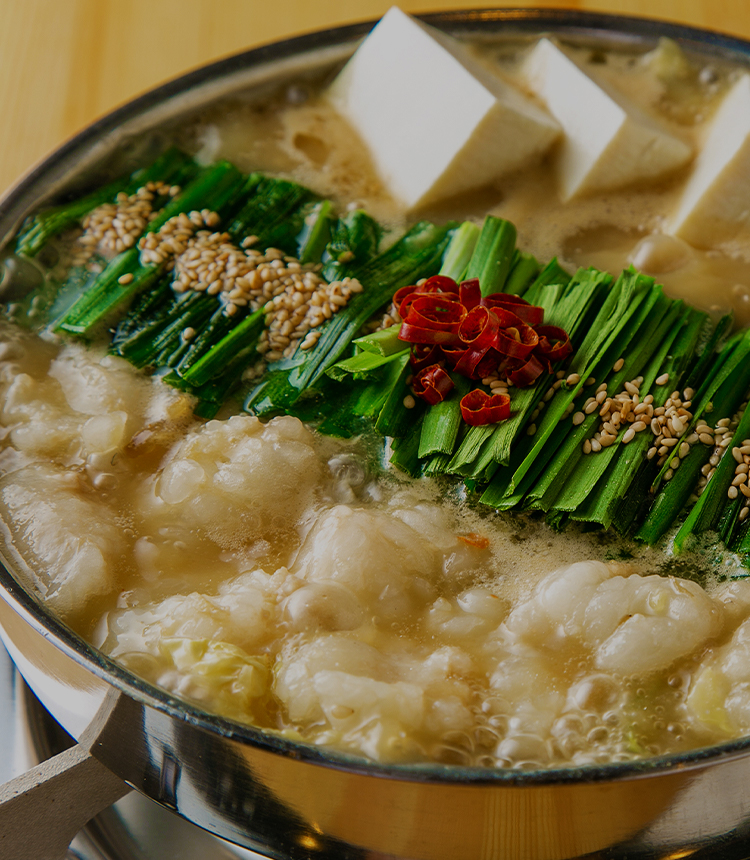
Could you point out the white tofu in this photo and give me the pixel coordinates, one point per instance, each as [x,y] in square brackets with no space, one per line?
[436,122]
[609,142]
[715,205]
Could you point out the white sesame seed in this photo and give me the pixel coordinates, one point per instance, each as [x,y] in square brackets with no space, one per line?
[578,418]
[618,365]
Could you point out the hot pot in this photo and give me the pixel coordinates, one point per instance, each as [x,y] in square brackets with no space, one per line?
[285,799]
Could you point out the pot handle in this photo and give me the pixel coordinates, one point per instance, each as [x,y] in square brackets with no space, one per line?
[43,809]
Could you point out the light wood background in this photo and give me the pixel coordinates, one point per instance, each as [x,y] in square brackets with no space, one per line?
[65,62]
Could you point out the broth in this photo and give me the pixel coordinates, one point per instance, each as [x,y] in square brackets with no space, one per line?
[288,580]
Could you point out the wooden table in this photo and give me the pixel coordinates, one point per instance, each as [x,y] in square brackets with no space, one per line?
[65,62]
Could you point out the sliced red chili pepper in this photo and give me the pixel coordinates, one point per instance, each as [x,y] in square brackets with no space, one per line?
[554,343]
[527,374]
[489,364]
[479,328]
[432,384]
[420,334]
[470,360]
[435,311]
[425,354]
[478,408]
[470,295]
[439,284]
[452,352]
[531,314]
[516,341]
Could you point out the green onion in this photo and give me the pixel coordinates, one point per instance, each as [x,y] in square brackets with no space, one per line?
[459,251]
[214,188]
[173,167]
[524,271]
[442,422]
[492,255]
[354,242]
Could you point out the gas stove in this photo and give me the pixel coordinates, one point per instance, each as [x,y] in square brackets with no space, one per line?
[134,828]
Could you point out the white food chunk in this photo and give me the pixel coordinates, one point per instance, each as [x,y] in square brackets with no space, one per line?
[237,480]
[353,690]
[645,623]
[71,542]
[240,614]
[436,122]
[609,142]
[95,384]
[632,624]
[383,561]
[715,204]
[297,670]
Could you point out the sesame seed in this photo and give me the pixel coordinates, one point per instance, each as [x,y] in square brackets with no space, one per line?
[618,365]
[409,402]
[578,418]
[662,380]
[531,430]
[684,449]
[629,435]
[587,447]
[573,379]
[732,492]
[125,279]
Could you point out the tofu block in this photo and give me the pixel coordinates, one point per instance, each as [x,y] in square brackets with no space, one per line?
[436,122]
[715,205]
[609,142]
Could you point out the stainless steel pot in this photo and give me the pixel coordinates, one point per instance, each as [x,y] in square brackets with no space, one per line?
[286,799]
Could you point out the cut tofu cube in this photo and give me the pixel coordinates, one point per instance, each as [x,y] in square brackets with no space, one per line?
[609,142]
[715,204]
[436,122]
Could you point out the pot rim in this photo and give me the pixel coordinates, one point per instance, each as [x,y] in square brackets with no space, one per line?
[621,30]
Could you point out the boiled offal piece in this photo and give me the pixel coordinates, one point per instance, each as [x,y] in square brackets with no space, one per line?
[435,121]
[608,142]
[715,203]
